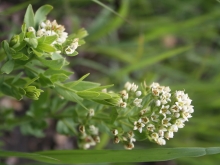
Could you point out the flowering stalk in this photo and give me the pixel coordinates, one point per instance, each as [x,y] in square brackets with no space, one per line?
[155,113]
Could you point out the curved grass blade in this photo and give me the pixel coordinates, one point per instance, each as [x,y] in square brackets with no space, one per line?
[150,61]
[32,156]
[113,156]
[110,9]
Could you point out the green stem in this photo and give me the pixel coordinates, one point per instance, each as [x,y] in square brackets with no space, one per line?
[129,125]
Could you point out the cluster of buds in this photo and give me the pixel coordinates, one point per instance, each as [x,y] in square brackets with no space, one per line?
[127,138]
[130,95]
[88,137]
[158,113]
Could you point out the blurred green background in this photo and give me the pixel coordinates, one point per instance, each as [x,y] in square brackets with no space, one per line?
[176,43]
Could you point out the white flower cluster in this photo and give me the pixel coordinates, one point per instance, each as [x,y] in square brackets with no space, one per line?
[49,28]
[170,112]
[88,137]
[130,90]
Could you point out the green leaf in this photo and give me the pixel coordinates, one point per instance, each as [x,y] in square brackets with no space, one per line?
[39,54]
[41,14]
[6,48]
[74,83]
[53,64]
[31,81]
[83,85]
[101,88]
[32,42]
[29,17]
[21,46]
[8,67]
[18,92]
[17,77]
[80,34]
[47,39]
[45,47]
[50,72]
[59,77]
[17,55]
[113,115]
[68,94]
[94,95]
[44,81]
[114,156]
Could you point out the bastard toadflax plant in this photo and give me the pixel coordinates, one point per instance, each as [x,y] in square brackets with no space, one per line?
[35,67]
[35,63]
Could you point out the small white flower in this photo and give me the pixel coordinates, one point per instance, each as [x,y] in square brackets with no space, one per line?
[173,128]
[43,25]
[180,123]
[127,86]
[91,112]
[154,117]
[169,135]
[161,131]
[137,102]
[41,32]
[166,89]
[131,137]
[123,104]
[129,146]
[154,136]
[155,91]
[138,125]
[165,110]
[161,141]
[145,120]
[31,29]
[154,85]
[158,103]
[134,87]
[124,94]
[74,44]
[116,139]
[82,129]
[166,122]
[138,93]
[174,108]
[96,139]
[177,115]
[186,115]
[143,111]
[93,130]
[115,132]
[69,50]
[150,127]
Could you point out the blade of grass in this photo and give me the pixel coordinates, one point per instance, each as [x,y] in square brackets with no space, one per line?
[146,155]
[110,9]
[110,24]
[32,156]
[152,60]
